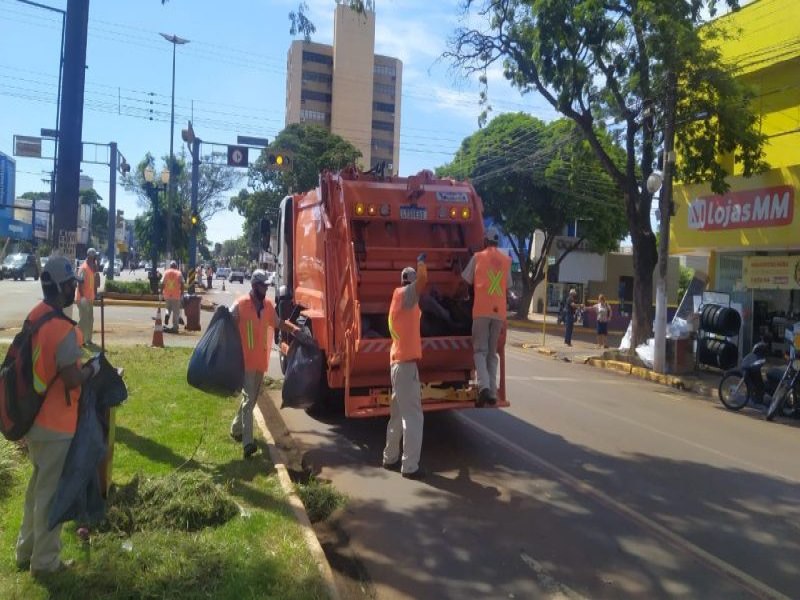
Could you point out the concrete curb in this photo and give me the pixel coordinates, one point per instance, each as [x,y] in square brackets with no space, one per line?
[278,459]
[697,388]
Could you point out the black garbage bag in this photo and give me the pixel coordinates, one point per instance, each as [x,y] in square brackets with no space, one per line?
[217,363]
[301,387]
[78,496]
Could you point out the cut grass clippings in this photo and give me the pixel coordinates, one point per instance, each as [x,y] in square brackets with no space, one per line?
[189,519]
[320,498]
[9,463]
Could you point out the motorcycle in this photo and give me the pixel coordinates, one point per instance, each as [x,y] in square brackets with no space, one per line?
[749,385]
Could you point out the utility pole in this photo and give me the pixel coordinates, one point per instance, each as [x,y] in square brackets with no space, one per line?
[194,226]
[112,209]
[665,209]
[65,211]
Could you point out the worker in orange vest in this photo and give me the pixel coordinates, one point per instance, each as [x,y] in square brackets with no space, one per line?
[255,316]
[85,294]
[59,375]
[489,272]
[172,290]
[405,411]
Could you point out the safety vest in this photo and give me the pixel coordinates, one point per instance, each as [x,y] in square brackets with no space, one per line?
[404,329]
[254,331]
[60,408]
[172,284]
[86,288]
[491,283]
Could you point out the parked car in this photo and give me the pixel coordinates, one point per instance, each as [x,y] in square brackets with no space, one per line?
[236,275]
[20,267]
[42,262]
[223,273]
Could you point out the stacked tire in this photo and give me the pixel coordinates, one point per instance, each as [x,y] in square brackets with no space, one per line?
[722,321]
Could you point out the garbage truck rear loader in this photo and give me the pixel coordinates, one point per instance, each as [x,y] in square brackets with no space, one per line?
[341,248]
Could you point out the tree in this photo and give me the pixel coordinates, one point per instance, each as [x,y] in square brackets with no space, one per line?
[215,179]
[551,180]
[611,62]
[313,148]
[99,220]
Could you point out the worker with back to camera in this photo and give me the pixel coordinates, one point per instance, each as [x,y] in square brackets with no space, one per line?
[405,412]
[172,290]
[489,273]
[86,292]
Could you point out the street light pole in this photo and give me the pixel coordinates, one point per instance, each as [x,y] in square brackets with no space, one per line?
[174,40]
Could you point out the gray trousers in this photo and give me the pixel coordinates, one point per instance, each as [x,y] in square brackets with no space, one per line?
[36,543]
[405,417]
[485,338]
[174,311]
[243,421]
[86,319]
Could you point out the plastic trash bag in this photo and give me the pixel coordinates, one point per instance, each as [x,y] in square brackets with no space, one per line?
[78,496]
[217,363]
[301,387]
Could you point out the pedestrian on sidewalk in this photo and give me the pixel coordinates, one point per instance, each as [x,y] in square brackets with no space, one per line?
[603,311]
[489,273]
[570,313]
[85,294]
[255,317]
[172,290]
[58,375]
[209,276]
[405,411]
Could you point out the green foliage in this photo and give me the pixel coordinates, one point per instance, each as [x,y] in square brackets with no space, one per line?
[550,179]
[177,502]
[9,460]
[314,148]
[137,288]
[612,62]
[320,498]
[684,279]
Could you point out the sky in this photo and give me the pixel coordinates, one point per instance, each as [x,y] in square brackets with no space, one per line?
[230,80]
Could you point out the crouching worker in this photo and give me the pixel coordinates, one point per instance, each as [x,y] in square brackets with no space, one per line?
[58,374]
[255,316]
[405,417]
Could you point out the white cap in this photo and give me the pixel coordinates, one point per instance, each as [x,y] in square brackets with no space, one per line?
[492,234]
[408,275]
[91,252]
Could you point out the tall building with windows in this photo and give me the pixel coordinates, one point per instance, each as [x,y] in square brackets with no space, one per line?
[349,89]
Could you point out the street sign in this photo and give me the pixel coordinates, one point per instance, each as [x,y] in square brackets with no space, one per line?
[237,156]
[25,145]
[48,133]
[246,140]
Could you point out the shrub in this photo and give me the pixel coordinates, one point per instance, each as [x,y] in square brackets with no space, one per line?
[128,287]
[320,498]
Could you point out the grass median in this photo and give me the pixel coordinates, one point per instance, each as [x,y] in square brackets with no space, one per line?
[189,519]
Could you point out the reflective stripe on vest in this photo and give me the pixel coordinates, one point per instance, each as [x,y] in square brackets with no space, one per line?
[255,333]
[404,329]
[491,283]
[60,408]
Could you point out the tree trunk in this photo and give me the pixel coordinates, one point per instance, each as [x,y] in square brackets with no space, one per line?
[525,303]
[645,257]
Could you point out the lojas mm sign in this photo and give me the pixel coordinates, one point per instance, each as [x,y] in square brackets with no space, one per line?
[763,207]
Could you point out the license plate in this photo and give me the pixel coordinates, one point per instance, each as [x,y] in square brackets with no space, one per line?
[414,213]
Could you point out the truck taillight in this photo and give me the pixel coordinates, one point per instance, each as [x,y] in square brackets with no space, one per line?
[372,210]
[360,209]
[453,212]
[385,210]
[465,213]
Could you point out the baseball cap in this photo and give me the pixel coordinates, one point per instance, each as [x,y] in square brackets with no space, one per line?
[492,234]
[60,270]
[91,252]
[259,276]
[409,275]
[173,264]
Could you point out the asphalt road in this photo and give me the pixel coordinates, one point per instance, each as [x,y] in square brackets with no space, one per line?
[591,485]
[125,325]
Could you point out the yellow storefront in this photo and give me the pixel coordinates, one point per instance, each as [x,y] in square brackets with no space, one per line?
[751,234]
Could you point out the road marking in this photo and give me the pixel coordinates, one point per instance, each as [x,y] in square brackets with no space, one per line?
[672,436]
[756,587]
[555,590]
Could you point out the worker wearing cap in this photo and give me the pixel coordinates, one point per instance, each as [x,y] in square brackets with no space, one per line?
[405,411]
[85,294]
[58,375]
[172,290]
[255,316]
[489,272]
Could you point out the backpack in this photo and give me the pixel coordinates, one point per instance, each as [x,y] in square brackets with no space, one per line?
[20,403]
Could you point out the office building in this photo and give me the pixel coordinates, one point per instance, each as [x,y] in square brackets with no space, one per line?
[348,89]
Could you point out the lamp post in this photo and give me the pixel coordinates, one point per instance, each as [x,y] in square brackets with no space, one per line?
[153,188]
[175,41]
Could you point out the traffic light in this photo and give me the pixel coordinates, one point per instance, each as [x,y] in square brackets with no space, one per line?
[194,220]
[280,160]
[120,219]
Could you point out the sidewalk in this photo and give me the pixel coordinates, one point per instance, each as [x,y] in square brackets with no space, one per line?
[529,336]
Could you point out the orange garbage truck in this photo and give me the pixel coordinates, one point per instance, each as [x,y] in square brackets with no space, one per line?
[341,248]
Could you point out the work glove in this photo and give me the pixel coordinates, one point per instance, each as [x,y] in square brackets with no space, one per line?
[304,337]
[421,258]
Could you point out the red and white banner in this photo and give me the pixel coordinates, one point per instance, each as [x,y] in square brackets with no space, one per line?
[761,207]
